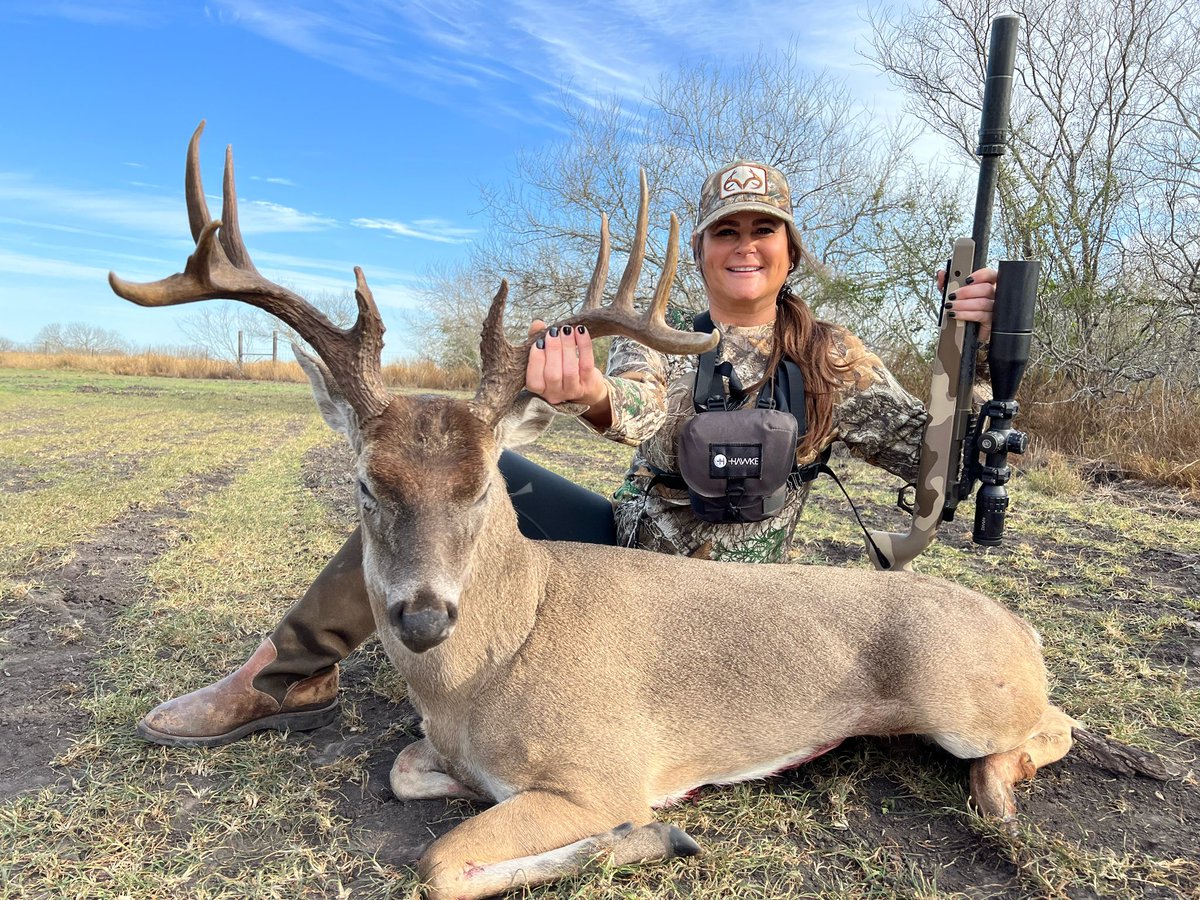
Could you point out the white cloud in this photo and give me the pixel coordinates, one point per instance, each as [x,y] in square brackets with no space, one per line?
[516,57]
[112,12]
[48,267]
[422,229]
[53,206]
[386,292]
[68,206]
[273,180]
[264,217]
[337,267]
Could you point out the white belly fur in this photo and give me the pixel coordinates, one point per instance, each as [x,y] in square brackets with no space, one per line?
[755,772]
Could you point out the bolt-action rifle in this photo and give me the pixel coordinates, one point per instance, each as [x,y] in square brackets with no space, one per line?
[960,447]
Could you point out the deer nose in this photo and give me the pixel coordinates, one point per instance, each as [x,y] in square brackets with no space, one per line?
[424,620]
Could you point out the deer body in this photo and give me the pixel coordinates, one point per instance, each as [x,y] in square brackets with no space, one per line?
[623,679]
[696,685]
[580,686]
[590,665]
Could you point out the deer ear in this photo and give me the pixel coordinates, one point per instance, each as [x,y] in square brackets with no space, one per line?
[335,410]
[523,424]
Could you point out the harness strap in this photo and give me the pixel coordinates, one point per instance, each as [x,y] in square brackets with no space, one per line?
[800,474]
[709,393]
[785,384]
[823,468]
[788,379]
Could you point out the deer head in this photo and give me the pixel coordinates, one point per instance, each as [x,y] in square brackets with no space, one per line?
[428,487]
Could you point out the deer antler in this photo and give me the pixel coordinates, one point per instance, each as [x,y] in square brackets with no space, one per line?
[504,363]
[220,268]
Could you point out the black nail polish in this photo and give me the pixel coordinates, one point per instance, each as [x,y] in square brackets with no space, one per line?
[970,280]
[553,331]
[950,314]
[579,329]
[952,297]
[541,343]
[566,330]
[949,305]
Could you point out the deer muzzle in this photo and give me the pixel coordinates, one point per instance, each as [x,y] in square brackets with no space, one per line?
[423,620]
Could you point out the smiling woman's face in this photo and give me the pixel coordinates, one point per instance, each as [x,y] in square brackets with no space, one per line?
[745,262]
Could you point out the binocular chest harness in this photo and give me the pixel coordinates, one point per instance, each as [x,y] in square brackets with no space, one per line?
[737,462]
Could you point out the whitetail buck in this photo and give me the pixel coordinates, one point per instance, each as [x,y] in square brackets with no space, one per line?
[581,686]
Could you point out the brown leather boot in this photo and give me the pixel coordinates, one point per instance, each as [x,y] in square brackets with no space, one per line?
[233,707]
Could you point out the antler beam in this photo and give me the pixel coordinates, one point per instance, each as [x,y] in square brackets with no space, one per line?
[220,268]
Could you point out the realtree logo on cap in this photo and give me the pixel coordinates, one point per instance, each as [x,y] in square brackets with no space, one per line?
[744,180]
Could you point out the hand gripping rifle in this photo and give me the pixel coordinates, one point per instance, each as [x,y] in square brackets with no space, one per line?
[958,450]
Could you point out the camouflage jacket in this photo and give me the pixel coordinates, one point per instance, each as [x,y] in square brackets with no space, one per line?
[652,400]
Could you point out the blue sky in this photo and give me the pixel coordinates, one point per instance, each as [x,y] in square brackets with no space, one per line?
[362,129]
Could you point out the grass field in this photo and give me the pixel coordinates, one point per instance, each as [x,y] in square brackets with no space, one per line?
[152,530]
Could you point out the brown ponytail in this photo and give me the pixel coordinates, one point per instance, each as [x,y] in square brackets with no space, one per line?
[809,342]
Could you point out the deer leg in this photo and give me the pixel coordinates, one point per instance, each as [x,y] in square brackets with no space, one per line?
[419,774]
[536,837]
[993,777]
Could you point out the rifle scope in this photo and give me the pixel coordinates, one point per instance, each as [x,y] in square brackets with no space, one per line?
[1008,354]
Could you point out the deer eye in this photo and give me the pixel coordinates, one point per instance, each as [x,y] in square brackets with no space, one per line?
[364,492]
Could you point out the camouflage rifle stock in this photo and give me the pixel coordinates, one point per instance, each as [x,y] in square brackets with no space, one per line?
[949,465]
[941,448]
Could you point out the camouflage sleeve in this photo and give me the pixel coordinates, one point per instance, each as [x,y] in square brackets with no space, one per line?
[637,385]
[877,419]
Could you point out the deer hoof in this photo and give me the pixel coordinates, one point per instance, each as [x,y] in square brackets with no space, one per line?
[682,843]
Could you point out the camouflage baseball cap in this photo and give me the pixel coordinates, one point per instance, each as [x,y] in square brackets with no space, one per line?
[743,186]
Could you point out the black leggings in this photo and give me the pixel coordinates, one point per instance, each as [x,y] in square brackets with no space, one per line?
[552,508]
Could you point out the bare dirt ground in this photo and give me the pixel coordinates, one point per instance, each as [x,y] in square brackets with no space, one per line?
[50,647]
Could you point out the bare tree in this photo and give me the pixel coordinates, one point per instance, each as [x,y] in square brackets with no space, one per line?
[78,337]
[49,339]
[82,337]
[1101,180]
[876,223]
[456,300]
[214,328]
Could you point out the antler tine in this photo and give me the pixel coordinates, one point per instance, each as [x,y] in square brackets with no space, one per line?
[502,364]
[637,251]
[231,232]
[650,328]
[595,289]
[666,278]
[193,186]
[220,268]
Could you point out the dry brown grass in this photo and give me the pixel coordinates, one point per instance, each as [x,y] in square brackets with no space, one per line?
[425,373]
[1146,433]
[418,374]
